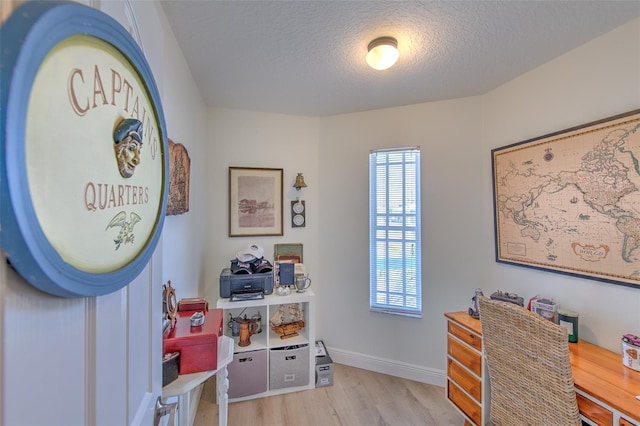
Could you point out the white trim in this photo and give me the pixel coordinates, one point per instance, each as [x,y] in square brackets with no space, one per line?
[141,412]
[134,30]
[90,359]
[404,370]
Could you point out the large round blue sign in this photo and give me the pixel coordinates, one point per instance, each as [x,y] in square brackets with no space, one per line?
[84,170]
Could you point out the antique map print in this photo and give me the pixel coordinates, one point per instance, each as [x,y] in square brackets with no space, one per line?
[570,201]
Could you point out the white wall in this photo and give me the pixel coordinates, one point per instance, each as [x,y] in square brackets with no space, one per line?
[333,155]
[253,139]
[597,80]
[449,136]
[185,113]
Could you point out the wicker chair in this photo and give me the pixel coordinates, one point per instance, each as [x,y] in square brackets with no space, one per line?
[529,367]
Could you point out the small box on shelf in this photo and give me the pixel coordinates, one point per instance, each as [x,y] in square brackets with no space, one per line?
[546,308]
[170,367]
[193,304]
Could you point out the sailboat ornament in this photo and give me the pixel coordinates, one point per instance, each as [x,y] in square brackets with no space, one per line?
[290,328]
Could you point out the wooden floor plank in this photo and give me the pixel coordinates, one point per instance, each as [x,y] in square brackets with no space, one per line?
[357,398]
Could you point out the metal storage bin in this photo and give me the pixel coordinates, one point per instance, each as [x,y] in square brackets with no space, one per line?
[324,368]
[289,366]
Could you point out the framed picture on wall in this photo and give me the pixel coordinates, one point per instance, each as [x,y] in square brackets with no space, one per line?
[569,202]
[255,201]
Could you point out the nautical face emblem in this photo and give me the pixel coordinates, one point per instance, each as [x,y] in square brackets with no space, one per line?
[127,145]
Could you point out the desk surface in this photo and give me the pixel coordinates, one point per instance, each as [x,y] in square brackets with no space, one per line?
[596,371]
[601,374]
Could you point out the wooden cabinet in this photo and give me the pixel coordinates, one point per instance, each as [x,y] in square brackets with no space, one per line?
[606,390]
[267,350]
[467,385]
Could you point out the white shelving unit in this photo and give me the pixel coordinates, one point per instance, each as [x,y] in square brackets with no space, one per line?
[268,340]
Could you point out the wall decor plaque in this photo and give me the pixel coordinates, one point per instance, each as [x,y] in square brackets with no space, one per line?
[84,168]
[569,202]
[179,175]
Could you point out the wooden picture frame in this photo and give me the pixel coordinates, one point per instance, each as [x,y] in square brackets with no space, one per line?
[255,201]
[568,202]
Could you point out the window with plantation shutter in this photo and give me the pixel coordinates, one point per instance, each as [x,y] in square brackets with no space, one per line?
[394,232]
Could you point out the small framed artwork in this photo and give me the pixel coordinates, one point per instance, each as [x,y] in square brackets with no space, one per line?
[255,201]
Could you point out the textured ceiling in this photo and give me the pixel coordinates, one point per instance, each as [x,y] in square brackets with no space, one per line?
[307,57]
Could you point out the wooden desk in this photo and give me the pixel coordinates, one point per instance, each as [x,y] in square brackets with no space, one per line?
[606,389]
[604,385]
[185,383]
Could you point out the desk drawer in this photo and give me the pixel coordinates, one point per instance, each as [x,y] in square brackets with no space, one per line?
[465,355]
[464,403]
[466,336]
[597,414]
[466,380]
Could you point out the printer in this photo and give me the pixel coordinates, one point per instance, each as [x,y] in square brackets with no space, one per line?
[245,286]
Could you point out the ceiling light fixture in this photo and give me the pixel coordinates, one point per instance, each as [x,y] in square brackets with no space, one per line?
[383,53]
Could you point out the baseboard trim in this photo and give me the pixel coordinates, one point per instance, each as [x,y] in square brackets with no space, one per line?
[404,370]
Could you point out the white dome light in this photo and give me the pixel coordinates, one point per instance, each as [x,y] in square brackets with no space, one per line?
[383,53]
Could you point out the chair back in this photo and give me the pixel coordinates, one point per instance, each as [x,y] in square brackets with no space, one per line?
[529,367]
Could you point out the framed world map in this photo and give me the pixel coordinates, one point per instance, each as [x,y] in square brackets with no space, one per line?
[569,202]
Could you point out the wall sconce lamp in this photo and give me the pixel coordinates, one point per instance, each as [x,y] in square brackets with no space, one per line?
[382,53]
[298,207]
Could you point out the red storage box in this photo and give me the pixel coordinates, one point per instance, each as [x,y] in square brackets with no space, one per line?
[198,346]
[193,304]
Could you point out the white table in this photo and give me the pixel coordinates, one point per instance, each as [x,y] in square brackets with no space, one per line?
[185,383]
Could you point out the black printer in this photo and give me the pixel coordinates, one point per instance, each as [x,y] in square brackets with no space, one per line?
[245,286]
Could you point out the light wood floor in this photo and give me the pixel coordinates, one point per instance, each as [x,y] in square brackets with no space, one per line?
[357,398]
